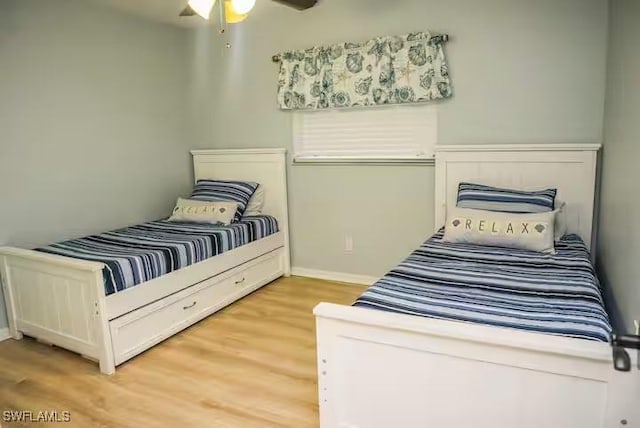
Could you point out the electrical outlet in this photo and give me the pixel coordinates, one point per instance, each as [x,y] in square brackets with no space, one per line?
[636,324]
[348,244]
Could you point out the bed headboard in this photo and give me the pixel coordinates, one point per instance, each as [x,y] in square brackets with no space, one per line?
[571,168]
[264,166]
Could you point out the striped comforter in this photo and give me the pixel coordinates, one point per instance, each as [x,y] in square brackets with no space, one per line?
[555,294]
[141,253]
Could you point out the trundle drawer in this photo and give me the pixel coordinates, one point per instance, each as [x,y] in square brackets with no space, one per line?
[141,329]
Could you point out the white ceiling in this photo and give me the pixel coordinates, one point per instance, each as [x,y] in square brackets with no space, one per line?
[165,11]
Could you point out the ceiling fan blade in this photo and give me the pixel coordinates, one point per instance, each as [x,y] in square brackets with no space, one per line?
[187,11]
[299,4]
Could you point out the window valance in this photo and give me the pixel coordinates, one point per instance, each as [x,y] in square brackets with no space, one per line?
[384,70]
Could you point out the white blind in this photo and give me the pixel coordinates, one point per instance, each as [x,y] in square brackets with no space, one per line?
[390,132]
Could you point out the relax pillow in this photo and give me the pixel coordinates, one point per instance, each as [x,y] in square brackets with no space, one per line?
[230,191]
[529,231]
[218,212]
[480,197]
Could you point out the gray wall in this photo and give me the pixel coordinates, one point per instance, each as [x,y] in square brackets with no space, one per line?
[92,113]
[619,240]
[523,72]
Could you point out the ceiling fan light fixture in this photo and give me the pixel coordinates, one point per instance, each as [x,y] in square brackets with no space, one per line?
[202,7]
[242,7]
[230,15]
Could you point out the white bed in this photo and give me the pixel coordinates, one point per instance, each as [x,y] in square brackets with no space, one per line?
[383,369]
[61,300]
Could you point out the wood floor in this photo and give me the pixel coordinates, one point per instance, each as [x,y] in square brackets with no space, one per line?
[252,364]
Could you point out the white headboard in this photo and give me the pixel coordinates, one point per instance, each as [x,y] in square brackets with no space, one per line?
[571,168]
[264,166]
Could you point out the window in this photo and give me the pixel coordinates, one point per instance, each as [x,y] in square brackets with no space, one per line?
[403,133]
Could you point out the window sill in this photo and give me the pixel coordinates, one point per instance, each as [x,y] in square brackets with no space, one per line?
[317,160]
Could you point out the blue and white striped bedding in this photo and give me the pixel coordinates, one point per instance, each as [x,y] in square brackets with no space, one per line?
[481,197]
[218,190]
[555,294]
[141,253]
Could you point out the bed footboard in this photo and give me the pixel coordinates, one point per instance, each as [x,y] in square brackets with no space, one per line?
[380,369]
[58,300]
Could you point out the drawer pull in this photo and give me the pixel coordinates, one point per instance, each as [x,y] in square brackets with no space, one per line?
[189,306]
[240,281]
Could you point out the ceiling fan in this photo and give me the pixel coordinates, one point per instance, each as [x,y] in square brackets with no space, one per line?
[236,10]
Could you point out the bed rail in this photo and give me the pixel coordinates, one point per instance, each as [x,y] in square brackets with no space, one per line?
[51,259]
[58,300]
[380,369]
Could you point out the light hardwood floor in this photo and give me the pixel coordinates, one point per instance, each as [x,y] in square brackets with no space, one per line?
[252,364]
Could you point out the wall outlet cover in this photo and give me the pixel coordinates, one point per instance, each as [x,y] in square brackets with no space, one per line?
[348,244]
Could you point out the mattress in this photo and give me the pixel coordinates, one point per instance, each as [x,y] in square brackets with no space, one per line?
[554,294]
[141,253]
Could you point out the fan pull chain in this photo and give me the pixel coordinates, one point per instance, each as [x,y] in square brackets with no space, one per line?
[223,21]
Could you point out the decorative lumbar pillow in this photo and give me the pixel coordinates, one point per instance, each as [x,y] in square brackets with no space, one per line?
[216,212]
[529,231]
[480,197]
[230,191]
[256,203]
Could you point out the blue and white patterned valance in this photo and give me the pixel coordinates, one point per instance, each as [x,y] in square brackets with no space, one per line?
[384,70]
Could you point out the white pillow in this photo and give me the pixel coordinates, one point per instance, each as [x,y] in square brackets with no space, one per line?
[212,212]
[561,227]
[256,203]
[529,231]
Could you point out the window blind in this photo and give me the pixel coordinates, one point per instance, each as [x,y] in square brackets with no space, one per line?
[389,133]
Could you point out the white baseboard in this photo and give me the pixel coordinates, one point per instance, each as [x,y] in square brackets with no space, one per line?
[334,276]
[4,334]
